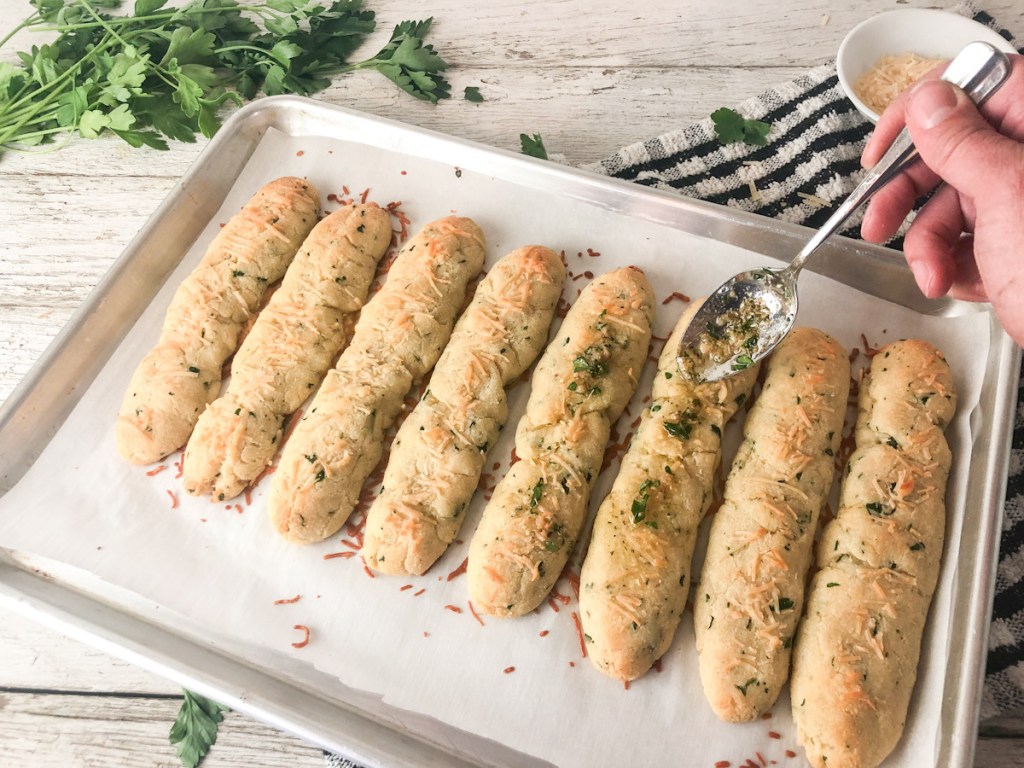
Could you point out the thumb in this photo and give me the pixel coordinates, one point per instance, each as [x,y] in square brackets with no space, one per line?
[958,144]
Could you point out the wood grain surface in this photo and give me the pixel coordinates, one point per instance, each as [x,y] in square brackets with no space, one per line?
[588,75]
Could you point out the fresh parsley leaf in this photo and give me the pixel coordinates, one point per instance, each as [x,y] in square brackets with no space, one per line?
[591,366]
[533,146]
[638,509]
[472,93]
[732,127]
[188,94]
[411,64]
[73,105]
[408,51]
[146,7]
[877,509]
[166,117]
[190,46]
[680,429]
[742,362]
[195,729]
[142,138]
[743,688]
[556,530]
[536,493]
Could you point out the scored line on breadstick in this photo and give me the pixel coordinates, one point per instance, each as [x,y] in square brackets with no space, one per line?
[398,338]
[582,383]
[858,648]
[439,452]
[636,575]
[751,591]
[181,374]
[292,344]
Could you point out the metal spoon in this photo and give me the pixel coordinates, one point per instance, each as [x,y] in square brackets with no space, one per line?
[746,317]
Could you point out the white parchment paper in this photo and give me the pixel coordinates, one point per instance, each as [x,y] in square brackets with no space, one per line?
[521,683]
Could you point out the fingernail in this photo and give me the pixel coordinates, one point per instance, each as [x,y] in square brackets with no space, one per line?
[931,102]
[923,276]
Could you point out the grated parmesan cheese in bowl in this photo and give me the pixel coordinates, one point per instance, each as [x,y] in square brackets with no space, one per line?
[874,62]
[890,76]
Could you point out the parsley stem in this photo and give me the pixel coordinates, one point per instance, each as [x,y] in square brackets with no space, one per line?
[37,119]
[368,64]
[255,49]
[42,151]
[34,134]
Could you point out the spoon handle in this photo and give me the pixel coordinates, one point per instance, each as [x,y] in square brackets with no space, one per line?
[979,69]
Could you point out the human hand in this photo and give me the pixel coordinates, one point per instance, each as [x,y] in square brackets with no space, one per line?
[968,239]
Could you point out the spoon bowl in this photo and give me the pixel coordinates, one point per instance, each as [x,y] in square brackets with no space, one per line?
[738,324]
[749,314]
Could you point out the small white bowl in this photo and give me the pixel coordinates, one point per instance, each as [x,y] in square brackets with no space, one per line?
[929,33]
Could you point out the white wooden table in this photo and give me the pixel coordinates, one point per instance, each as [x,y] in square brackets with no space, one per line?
[588,75]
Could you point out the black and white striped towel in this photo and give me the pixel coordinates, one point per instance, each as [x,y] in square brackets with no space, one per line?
[813,155]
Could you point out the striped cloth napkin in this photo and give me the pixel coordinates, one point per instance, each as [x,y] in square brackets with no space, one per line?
[813,156]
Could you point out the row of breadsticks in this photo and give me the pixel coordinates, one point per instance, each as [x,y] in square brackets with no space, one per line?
[854,655]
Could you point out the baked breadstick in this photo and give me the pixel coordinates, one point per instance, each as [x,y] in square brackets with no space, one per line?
[761,541]
[291,346]
[181,374]
[857,650]
[581,384]
[440,449]
[398,338]
[636,575]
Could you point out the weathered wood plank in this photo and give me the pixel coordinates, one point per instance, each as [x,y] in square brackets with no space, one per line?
[52,731]
[97,731]
[519,33]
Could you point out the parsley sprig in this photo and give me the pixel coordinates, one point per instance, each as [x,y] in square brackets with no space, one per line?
[732,127]
[164,73]
[195,729]
[533,146]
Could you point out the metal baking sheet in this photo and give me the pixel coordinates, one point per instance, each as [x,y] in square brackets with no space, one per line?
[299,699]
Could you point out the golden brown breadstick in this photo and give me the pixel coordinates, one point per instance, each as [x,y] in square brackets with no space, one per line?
[760,546]
[439,452]
[585,378]
[636,575]
[398,338]
[856,655]
[182,373]
[289,349]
